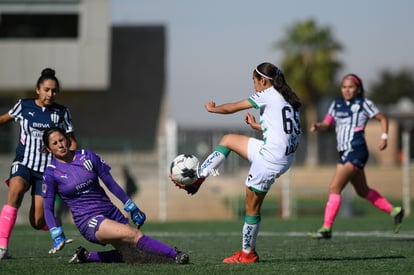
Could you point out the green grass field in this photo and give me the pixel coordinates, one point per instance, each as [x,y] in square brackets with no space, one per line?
[360,245]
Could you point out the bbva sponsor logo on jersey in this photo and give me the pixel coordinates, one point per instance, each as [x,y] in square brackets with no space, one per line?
[40,125]
[44,188]
[83,185]
[342,114]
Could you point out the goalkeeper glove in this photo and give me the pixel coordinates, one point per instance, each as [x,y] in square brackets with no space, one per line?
[59,239]
[137,216]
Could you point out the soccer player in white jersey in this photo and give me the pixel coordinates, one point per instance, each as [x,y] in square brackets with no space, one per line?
[349,114]
[269,157]
[75,176]
[34,115]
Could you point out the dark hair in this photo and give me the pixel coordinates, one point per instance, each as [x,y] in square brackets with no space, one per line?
[358,82]
[47,74]
[275,75]
[48,132]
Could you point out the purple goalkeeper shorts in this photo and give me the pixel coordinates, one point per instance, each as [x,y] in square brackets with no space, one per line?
[95,222]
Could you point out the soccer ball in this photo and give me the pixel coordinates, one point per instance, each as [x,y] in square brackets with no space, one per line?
[184,168]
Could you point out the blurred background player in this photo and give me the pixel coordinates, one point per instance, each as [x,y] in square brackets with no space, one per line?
[34,115]
[74,175]
[131,185]
[350,114]
[269,158]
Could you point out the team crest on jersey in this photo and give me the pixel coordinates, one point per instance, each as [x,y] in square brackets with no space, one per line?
[355,108]
[44,188]
[54,117]
[88,165]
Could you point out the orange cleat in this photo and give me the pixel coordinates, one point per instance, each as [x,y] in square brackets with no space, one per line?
[240,257]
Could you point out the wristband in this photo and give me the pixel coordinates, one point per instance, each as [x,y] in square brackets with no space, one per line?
[384,136]
[56,232]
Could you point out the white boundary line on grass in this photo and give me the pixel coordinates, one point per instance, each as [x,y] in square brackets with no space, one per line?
[379,234]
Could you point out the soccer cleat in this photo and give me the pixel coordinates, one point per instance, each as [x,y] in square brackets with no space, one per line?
[181,257]
[4,254]
[240,257]
[80,256]
[190,188]
[322,233]
[193,188]
[398,220]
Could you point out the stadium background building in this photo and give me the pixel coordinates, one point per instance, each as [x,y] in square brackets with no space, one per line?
[112,77]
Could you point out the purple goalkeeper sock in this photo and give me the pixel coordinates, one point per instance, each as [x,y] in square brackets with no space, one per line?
[111,256]
[153,246]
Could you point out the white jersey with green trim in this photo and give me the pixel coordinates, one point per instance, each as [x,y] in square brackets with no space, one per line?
[280,126]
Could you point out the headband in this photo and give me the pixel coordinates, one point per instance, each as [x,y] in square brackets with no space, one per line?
[263,75]
[356,80]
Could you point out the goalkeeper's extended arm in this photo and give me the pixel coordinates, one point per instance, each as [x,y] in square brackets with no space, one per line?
[137,216]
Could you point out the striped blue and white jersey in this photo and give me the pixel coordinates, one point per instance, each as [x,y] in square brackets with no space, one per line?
[350,119]
[34,120]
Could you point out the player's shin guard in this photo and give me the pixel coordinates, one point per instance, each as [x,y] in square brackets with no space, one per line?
[251,229]
[155,247]
[214,160]
[378,201]
[331,209]
[8,217]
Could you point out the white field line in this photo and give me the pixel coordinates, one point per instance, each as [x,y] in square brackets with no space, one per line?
[379,234]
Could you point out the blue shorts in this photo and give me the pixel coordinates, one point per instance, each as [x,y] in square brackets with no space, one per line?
[34,178]
[357,156]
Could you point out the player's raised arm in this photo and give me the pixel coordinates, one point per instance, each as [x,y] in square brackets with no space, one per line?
[228,108]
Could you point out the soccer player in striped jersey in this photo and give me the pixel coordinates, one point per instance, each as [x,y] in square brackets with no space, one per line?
[74,175]
[269,158]
[349,114]
[35,115]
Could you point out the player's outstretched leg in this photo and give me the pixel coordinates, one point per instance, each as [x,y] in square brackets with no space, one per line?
[155,247]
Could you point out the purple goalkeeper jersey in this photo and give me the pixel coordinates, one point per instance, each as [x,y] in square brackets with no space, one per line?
[78,185]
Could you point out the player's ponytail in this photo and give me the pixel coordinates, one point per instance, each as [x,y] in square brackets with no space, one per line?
[275,75]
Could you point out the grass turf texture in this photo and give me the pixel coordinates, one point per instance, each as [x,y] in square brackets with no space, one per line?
[360,245]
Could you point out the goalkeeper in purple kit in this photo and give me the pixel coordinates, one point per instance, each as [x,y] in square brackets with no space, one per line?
[74,175]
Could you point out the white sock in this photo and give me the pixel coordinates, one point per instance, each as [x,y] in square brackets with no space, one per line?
[250,232]
[213,161]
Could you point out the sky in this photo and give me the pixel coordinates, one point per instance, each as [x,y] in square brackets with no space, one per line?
[213,46]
